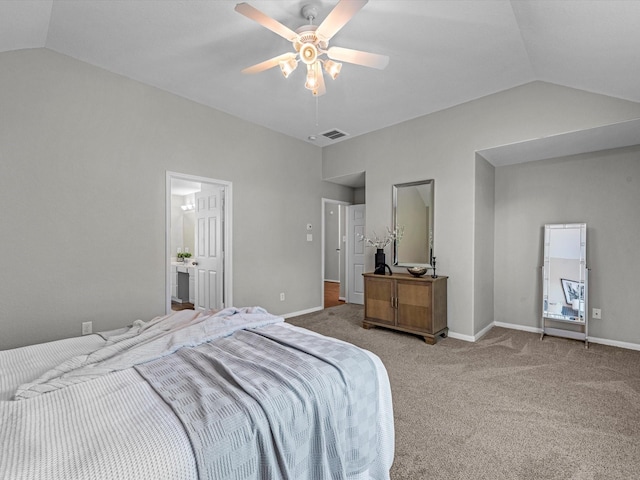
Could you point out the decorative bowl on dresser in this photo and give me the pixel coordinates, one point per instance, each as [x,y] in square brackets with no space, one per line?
[407,303]
[417,271]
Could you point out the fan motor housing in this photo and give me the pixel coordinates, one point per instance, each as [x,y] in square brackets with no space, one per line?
[307,34]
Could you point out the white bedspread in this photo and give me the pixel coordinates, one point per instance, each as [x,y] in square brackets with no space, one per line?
[146,341]
[114,425]
[25,364]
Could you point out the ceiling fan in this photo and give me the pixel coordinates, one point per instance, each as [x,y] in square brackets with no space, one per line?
[311,44]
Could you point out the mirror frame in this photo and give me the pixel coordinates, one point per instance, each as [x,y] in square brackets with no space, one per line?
[580,316]
[429,241]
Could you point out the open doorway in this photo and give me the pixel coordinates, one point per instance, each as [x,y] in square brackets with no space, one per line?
[198,243]
[336,244]
[333,241]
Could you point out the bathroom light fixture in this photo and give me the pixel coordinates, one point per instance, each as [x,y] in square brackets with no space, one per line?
[188,206]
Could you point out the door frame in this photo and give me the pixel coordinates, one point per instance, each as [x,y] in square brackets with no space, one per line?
[227,261]
[324,202]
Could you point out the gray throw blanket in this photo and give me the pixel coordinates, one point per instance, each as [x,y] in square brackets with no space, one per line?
[273,403]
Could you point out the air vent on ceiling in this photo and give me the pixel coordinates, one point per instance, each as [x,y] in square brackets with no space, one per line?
[334,134]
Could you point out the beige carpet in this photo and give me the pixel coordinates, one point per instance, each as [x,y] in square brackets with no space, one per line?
[506,407]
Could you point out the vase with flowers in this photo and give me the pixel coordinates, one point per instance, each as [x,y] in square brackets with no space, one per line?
[380,243]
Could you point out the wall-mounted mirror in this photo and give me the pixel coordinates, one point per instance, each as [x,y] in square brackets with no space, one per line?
[413,211]
[564,280]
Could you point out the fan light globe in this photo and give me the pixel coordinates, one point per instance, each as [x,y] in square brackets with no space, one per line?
[312,79]
[288,66]
[332,68]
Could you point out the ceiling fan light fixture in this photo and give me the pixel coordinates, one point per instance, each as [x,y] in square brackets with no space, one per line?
[288,66]
[311,42]
[332,68]
[308,53]
[312,78]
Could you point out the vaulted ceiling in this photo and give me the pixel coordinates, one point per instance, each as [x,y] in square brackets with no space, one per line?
[442,53]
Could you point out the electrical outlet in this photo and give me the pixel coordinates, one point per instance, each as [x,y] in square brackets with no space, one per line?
[87,328]
[596,314]
[282,297]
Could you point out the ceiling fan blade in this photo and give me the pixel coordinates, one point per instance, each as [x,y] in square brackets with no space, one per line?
[266,21]
[338,17]
[358,57]
[267,64]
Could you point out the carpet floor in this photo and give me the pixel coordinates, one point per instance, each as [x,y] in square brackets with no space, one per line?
[506,407]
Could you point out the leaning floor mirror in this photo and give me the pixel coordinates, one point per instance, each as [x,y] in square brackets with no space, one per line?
[413,214]
[564,281]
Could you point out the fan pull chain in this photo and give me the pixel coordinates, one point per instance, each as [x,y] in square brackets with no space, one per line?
[316,111]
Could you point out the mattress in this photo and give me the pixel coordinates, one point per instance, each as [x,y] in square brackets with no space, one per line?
[113,423]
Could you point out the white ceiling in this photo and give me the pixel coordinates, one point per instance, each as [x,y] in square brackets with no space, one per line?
[442,53]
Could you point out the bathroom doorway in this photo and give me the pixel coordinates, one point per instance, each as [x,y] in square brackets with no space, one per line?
[198,243]
[333,247]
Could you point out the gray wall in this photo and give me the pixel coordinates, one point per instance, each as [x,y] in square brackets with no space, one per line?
[442,146]
[484,228]
[601,189]
[84,154]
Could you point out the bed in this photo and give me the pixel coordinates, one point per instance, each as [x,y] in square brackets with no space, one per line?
[234,394]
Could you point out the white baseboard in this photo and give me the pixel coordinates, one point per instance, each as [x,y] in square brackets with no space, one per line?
[614,343]
[301,312]
[513,326]
[460,336]
[471,338]
[602,341]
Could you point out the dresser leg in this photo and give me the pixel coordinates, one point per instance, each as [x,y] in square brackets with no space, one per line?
[431,339]
[366,325]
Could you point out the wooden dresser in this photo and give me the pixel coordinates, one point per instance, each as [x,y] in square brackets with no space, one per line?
[404,302]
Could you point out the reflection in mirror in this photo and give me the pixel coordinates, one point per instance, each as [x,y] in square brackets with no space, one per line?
[564,285]
[413,210]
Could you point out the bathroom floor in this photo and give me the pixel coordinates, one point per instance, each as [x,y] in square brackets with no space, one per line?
[181,306]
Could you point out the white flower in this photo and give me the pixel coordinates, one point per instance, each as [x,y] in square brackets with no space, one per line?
[382,242]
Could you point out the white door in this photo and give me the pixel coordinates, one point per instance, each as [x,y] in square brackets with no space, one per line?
[355,253]
[209,247]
